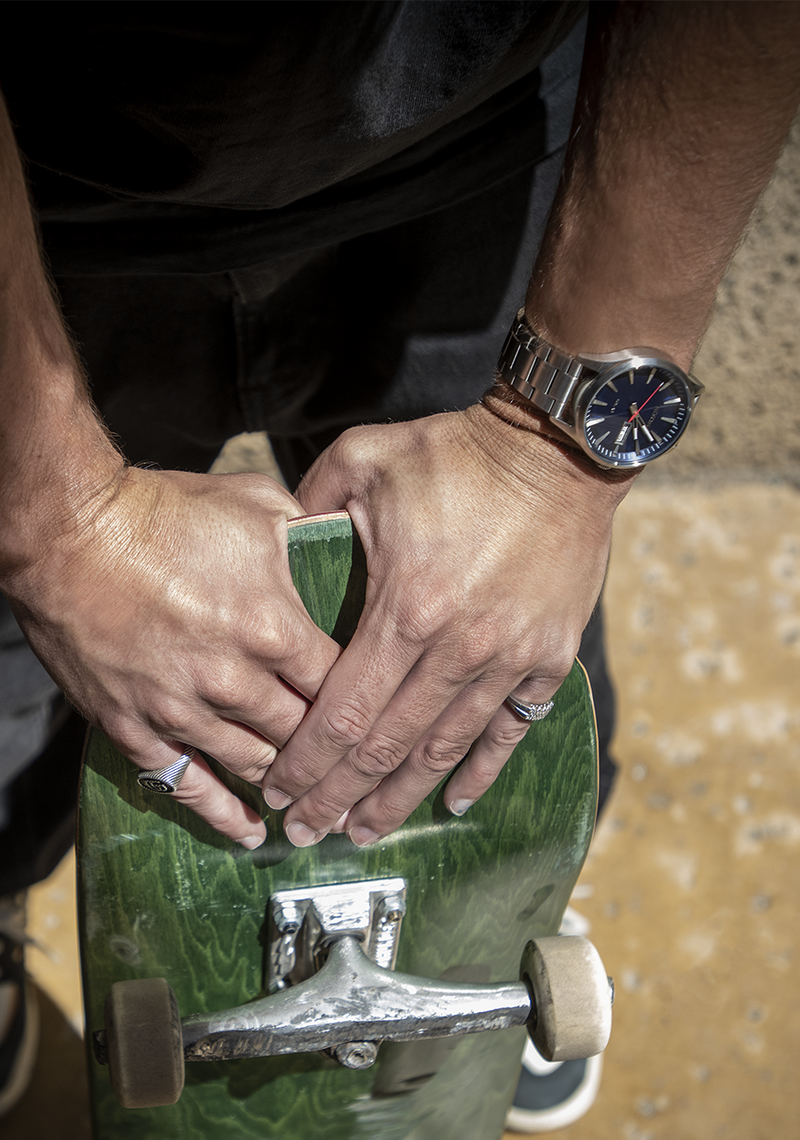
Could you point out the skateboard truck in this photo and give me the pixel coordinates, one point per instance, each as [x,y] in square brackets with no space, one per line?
[304,922]
[331,958]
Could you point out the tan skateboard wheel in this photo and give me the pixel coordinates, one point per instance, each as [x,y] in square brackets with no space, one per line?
[571,997]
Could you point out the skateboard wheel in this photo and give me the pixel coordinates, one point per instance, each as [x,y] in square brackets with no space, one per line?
[571,997]
[144,1042]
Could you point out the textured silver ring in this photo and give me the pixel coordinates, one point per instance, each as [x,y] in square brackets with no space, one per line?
[166,780]
[529,712]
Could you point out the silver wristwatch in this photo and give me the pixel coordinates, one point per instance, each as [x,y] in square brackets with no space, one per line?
[623,409]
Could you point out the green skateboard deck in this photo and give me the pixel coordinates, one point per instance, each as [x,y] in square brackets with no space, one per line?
[162,895]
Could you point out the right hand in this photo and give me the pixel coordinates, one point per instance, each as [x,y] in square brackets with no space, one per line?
[486,546]
[168,616]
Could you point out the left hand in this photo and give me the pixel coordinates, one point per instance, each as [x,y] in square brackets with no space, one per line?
[486,547]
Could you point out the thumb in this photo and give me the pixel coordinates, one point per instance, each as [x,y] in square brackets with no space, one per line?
[326,486]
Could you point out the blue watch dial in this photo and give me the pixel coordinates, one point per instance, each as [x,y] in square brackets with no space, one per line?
[636,415]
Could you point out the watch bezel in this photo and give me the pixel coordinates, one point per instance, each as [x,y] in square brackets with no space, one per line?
[609,367]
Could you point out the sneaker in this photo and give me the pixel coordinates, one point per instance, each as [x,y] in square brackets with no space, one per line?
[553,1094]
[19,1013]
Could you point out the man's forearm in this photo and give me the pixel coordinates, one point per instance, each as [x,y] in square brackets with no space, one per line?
[682,112]
[54,454]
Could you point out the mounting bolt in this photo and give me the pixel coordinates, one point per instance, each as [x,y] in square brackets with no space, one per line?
[391,908]
[287,917]
[356,1054]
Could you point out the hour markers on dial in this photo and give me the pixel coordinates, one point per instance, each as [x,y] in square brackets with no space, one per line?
[623,430]
[634,414]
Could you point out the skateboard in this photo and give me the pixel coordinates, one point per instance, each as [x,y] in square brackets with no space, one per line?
[335,992]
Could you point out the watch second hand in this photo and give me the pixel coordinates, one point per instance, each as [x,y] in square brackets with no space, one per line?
[644,405]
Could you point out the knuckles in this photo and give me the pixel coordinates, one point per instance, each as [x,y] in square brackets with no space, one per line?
[377,756]
[222,688]
[271,641]
[356,450]
[344,726]
[506,734]
[440,756]
[133,736]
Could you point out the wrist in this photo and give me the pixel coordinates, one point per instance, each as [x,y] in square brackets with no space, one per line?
[508,405]
[54,474]
[524,444]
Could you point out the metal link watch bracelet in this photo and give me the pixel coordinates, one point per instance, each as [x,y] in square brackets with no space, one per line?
[538,370]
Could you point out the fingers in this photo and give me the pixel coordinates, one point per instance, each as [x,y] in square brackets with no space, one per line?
[227,719]
[392,767]
[393,801]
[485,760]
[234,710]
[203,793]
[343,725]
[236,745]
[221,726]
[389,783]
[380,699]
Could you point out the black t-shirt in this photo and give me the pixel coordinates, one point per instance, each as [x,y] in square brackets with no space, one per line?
[203,136]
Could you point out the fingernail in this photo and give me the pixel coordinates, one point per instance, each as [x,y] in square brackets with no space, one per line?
[252,841]
[341,823]
[301,836]
[277,800]
[362,836]
[458,807]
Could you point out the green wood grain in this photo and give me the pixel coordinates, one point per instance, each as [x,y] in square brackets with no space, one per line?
[160,894]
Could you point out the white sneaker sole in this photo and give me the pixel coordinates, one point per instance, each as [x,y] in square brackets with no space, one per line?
[565,1113]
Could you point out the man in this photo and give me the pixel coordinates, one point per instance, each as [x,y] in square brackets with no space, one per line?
[363,188]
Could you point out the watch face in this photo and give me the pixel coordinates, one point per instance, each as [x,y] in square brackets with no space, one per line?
[636,413]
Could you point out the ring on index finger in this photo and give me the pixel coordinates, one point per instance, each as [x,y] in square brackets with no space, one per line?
[166,780]
[529,712]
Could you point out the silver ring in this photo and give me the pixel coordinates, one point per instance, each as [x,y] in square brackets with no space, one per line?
[529,712]
[166,780]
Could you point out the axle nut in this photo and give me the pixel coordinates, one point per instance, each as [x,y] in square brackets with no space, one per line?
[356,1054]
